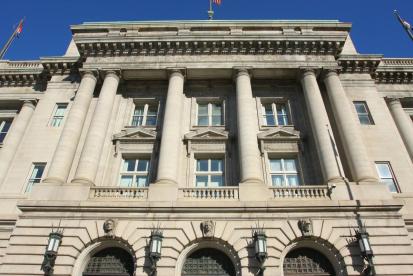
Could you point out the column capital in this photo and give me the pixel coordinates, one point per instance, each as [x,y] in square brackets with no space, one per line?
[393,99]
[244,70]
[89,73]
[117,73]
[29,102]
[176,71]
[308,70]
[330,71]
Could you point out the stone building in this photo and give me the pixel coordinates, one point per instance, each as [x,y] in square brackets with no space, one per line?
[209,132]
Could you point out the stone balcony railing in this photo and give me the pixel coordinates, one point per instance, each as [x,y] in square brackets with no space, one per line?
[118,193]
[219,193]
[301,192]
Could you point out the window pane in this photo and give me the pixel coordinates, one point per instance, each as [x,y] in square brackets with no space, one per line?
[360,108]
[5,126]
[216,120]
[126,181]
[202,120]
[151,120]
[139,110]
[152,110]
[201,181]
[289,165]
[129,165]
[143,165]
[293,180]
[202,109]
[384,170]
[390,185]
[137,120]
[282,114]
[277,180]
[202,165]
[216,165]
[270,120]
[141,181]
[2,136]
[269,115]
[60,111]
[38,171]
[216,109]
[364,119]
[275,165]
[216,181]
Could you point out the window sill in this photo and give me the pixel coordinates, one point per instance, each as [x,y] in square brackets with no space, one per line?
[146,127]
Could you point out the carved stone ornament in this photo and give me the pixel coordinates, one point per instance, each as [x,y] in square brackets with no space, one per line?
[208,228]
[306,227]
[109,227]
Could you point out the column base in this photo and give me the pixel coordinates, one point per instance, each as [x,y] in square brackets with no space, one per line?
[53,180]
[163,190]
[367,179]
[83,181]
[65,191]
[252,190]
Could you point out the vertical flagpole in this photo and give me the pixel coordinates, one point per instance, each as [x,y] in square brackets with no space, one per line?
[11,39]
[210,12]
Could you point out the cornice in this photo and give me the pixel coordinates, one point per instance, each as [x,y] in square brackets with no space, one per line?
[60,65]
[359,63]
[20,73]
[394,71]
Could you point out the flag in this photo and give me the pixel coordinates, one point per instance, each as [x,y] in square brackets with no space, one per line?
[406,25]
[20,27]
[218,2]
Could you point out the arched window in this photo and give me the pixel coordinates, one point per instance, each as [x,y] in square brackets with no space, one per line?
[308,262]
[112,261]
[208,262]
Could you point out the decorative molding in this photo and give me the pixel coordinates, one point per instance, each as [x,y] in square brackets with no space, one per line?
[394,71]
[60,65]
[20,73]
[359,63]
[207,134]
[138,135]
[279,135]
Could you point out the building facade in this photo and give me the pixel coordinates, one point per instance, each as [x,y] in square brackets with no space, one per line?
[212,133]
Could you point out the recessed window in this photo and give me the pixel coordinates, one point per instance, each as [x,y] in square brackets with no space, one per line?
[134,172]
[4,128]
[35,176]
[209,173]
[58,114]
[145,115]
[275,114]
[363,113]
[387,176]
[209,114]
[284,172]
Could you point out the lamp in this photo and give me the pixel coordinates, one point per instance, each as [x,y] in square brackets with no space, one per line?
[55,239]
[365,249]
[260,241]
[155,247]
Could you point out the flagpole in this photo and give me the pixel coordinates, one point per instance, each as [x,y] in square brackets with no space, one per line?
[10,41]
[210,12]
[403,22]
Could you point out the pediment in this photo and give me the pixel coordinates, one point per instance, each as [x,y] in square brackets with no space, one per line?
[279,134]
[135,134]
[207,134]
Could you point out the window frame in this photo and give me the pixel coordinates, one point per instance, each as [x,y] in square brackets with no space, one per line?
[366,114]
[393,178]
[210,173]
[58,118]
[31,182]
[209,104]
[135,173]
[146,105]
[274,110]
[284,173]
[2,124]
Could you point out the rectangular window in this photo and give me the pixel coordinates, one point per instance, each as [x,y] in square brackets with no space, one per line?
[210,114]
[145,115]
[284,172]
[275,114]
[35,176]
[386,176]
[209,173]
[363,113]
[4,128]
[134,173]
[58,114]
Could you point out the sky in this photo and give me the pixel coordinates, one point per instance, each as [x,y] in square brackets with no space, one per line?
[46,31]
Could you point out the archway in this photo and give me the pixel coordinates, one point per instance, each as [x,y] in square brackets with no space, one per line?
[307,261]
[208,262]
[113,261]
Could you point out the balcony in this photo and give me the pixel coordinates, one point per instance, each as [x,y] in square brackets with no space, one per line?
[219,193]
[118,193]
[301,192]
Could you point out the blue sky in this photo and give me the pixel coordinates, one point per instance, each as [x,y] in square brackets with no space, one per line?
[47,33]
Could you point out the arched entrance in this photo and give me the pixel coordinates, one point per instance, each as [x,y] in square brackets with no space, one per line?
[308,262]
[208,262]
[112,261]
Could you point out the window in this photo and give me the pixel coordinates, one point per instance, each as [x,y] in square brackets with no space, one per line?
[386,176]
[209,173]
[4,128]
[363,113]
[58,114]
[284,172]
[145,115]
[275,114]
[210,114]
[35,176]
[134,173]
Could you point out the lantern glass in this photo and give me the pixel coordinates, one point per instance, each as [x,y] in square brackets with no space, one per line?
[154,246]
[53,244]
[159,247]
[366,244]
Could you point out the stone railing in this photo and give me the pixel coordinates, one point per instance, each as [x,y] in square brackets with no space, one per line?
[397,61]
[219,193]
[301,192]
[118,193]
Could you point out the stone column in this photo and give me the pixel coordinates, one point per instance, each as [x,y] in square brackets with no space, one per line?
[14,137]
[403,123]
[69,139]
[319,125]
[166,186]
[249,154]
[95,139]
[349,130]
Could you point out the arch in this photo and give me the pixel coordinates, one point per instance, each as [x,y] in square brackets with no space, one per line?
[215,244]
[208,261]
[99,245]
[321,247]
